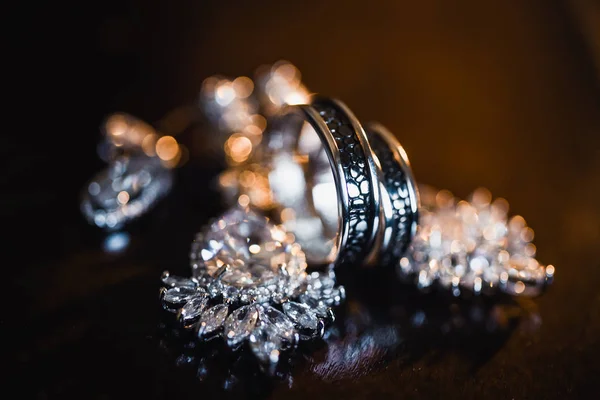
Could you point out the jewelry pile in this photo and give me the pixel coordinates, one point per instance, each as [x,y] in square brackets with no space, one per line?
[336,194]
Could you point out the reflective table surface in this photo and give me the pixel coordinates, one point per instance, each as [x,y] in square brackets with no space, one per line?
[505,97]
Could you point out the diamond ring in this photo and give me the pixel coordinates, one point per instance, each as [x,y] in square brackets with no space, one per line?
[250,285]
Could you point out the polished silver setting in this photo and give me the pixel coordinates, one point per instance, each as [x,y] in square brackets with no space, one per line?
[323,169]
[399,195]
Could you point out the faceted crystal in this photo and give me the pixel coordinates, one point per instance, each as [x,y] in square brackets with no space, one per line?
[301,314]
[319,282]
[193,308]
[320,308]
[125,190]
[178,281]
[240,324]
[276,323]
[179,295]
[265,345]
[212,319]
[230,293]
[329,296]
[263,295]
[471,245]
[252,250]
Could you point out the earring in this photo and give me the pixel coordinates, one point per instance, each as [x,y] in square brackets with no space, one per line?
[250,285]
[473,246]
[138,174]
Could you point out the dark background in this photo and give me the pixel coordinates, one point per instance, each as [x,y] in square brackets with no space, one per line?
[503,94]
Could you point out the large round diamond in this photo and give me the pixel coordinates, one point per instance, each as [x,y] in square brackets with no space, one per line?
[248,250]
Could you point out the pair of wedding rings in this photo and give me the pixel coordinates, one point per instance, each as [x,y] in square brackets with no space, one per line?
[346,191]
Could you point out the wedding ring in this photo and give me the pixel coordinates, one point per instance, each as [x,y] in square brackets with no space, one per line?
[399,195]
[325,178]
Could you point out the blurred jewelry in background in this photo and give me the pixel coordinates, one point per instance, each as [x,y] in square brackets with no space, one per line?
[231,108]
[279,85]
[247,180]
[473,246]
[250,285]
[138,175]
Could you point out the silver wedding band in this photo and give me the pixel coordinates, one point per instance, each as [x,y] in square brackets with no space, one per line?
[352,192]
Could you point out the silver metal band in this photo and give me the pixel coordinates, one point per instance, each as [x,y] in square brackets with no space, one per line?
[350,162]
[400,197]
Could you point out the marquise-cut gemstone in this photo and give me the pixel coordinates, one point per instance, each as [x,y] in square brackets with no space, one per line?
[240,324]
[276,323]
[179,295]
[265,345]
[178,281]
[301,314]
[212,319]
[193,308]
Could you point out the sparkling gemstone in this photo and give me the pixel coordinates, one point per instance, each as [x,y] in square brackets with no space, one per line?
[125,190]
[178,281]
[212,319]
[193,308]
[471,245]
[179,295]
[263,295]
[231,293]
[329,296]
[319,282]
[248,295]
[215,288]
[276,323]
[265,346]
[240,324]
[301,314]
[246,250]
[319,307]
